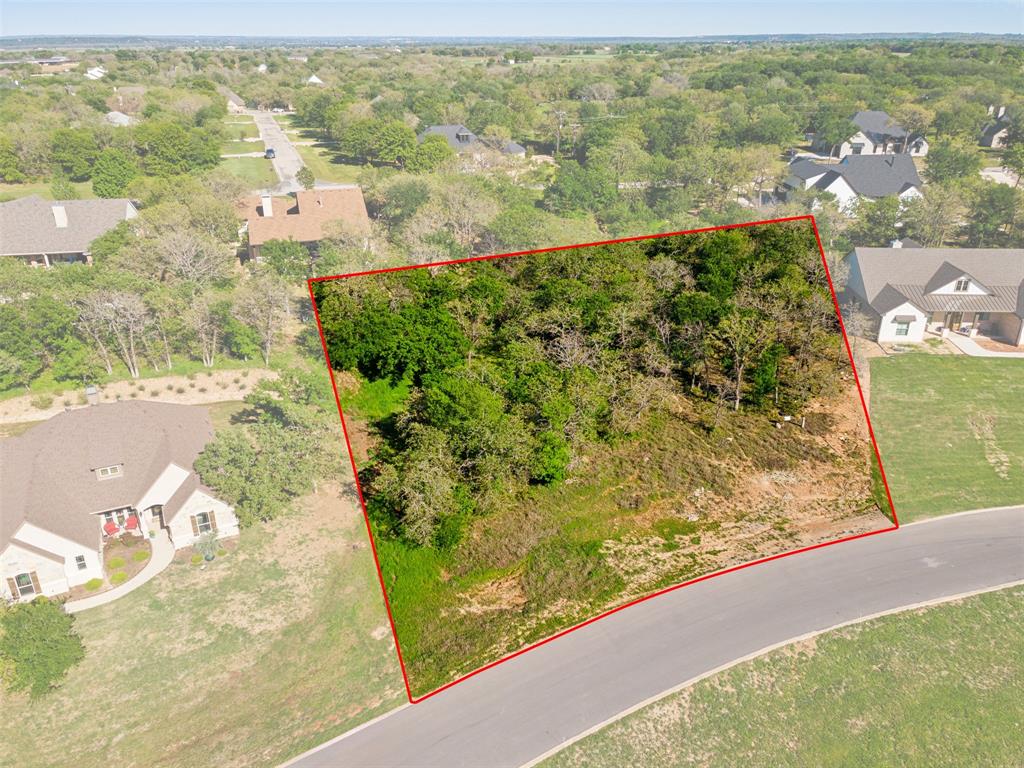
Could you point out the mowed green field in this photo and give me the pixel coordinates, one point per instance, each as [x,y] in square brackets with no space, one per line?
[938,687]
[255,170]
[950,430]
[321,161]
[269,650]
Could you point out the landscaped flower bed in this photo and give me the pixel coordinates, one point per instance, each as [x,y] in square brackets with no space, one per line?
[123,558]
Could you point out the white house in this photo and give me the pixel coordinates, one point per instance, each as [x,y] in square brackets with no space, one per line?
[856,177]
[95,73]
[908,292]
[877,134]
[93,473]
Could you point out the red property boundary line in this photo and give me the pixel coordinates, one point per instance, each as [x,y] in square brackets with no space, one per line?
[705,577]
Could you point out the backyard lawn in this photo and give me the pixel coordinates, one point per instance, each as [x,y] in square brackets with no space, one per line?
[255,170]
[83,190]
[937,687]
[950,430]
[241,147]
[274,647]
[240,127]
[320,162]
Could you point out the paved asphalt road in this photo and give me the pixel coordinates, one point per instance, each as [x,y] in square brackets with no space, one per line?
[287,161]
[518,710]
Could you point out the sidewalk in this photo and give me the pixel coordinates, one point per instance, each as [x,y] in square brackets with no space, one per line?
[163,553]
[970,347]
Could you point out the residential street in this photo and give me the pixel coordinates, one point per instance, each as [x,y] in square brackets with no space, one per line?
[287,161]
[509,715]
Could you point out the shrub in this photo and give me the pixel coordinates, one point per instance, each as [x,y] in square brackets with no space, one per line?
[116,562]
[67,401]
[133,394]
[206,547]
[191,385]
[42,402]
[93,584]
[141,555]
[120,577]
[196,559]
[141,387]
[170,387]
[236,380]
[38,645]
[154,393]
[202,389]
[180,390]
[221,552]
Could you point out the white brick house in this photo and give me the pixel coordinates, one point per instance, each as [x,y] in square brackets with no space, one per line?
[909,292]
[118,469]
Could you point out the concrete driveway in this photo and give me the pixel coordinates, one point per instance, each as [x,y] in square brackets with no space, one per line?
[519,710]
[287,161]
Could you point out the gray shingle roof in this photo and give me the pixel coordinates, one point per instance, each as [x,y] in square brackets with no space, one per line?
[28,225]
[879,123]
[878,175]
[868,175]
[469,140]
[892,275]
[46,474]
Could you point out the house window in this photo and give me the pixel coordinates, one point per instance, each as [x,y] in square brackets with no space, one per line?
[105,473]
[203,524]
[982,316]
[80,562]
[902,329]
[24,583]
[962,285]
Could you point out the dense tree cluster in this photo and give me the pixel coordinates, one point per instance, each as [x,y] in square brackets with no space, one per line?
[518,363]
[58,136]
[162,287]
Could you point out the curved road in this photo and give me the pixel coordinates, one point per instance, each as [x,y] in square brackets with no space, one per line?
[519,710]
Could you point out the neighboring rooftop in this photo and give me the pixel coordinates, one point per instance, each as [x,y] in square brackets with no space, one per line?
[32,226]
[868,175]
[304,219]
[894,275]
[47,474]
[879,123]
[461,139]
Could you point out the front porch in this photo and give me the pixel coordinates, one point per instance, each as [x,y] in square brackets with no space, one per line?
[981,334]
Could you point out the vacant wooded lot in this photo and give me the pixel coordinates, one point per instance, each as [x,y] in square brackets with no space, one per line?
[951,430]
[544,437]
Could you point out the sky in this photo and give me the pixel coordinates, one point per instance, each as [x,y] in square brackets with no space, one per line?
[501,18]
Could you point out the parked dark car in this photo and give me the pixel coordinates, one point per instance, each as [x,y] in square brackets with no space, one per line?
[269,154]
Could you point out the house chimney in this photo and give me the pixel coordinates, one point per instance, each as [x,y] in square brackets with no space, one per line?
[896,244]
[268,206]
[60,216]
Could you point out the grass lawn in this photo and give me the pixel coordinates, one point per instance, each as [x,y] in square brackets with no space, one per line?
[241,147]
[255,170]
[937,687]
[950,430]
[42,188]
[240,129]
[276,646]
[325,168]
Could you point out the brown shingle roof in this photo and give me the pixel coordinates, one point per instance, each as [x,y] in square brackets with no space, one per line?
[46,474]
[308,219]
[28,226]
